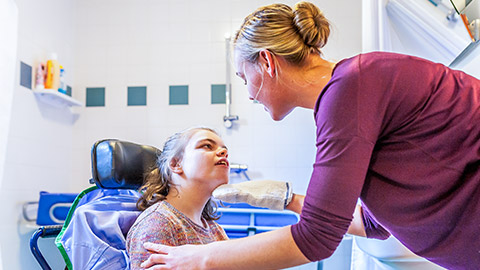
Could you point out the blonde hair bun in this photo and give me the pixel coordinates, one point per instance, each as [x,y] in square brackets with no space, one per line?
[293,33]
[312,26]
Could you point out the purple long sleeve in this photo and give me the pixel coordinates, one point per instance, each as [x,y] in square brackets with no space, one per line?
[403,134]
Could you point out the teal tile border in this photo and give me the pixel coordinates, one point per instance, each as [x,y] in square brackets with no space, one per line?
[137,96]
[25,75]
[218,93]
[178,94]
[95,97]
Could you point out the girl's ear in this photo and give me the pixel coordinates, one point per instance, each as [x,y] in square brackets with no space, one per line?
[267,61]
[176,166]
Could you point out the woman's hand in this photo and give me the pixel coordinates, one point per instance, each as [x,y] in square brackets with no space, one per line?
[270,194]
[166,257]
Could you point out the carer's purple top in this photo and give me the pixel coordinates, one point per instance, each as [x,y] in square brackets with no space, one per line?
[403,134]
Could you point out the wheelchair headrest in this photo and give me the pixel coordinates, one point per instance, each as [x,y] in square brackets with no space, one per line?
[122,165]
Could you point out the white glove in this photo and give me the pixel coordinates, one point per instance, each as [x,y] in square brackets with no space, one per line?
[271,194]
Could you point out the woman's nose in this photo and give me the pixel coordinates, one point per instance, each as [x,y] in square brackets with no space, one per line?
[223,152]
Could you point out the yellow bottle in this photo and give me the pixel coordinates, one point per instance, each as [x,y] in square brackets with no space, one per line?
[52,80]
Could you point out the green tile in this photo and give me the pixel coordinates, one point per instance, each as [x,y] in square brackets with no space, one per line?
[137,96]
[95,97]
[218,93]
[178,95]
[25,75]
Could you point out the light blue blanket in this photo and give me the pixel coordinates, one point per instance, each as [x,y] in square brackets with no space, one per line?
[93,236]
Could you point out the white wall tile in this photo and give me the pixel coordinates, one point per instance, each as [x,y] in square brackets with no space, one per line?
[137,72]
[201,31]
[117,75]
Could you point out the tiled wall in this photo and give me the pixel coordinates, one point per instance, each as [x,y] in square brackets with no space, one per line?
[38,154]
[144,70]
[137,95]
[176,50]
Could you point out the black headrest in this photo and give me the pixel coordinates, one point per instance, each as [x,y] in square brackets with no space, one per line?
[122,165]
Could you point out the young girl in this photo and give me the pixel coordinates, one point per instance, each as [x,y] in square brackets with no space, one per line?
[176,199]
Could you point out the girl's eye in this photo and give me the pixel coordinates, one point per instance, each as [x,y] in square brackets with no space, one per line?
[207,146]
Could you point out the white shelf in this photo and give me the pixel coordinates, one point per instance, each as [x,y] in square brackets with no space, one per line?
[56,98]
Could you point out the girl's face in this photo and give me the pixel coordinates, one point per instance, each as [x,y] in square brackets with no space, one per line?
[205,160]
[263,88]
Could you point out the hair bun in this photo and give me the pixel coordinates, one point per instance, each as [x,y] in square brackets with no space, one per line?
[312,26]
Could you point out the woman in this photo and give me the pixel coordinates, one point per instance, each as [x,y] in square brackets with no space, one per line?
[398,132]
[176,204]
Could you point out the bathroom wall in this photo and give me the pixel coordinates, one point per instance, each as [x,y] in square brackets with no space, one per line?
[154,44]
[38,155]
[8,49]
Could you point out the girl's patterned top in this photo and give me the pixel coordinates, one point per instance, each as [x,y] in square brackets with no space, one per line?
[163,224]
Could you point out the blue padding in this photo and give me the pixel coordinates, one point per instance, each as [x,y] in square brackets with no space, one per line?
[235,234]
[240,205]
[59,202]
[105,164]
[234,219]
[61,212]
[276,220]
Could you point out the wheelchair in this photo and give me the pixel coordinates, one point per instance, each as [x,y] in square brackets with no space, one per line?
[118,170]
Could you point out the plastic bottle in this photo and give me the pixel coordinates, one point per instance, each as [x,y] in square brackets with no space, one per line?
[63,86]
[53,73]
[40,77]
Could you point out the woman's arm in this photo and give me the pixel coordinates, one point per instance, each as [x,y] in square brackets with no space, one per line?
[356,227]
[277,247]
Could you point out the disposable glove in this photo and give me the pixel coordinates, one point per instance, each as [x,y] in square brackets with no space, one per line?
[270,194]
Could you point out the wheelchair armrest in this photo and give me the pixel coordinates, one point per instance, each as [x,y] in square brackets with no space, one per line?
[44,232]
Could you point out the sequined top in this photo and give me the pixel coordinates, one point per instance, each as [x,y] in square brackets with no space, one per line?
[163,224]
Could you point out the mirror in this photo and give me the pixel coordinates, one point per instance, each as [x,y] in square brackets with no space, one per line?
[469,10]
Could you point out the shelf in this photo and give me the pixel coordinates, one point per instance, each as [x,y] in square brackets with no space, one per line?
[56,98]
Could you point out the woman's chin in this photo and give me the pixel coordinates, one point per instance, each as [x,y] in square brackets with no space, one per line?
[277,116]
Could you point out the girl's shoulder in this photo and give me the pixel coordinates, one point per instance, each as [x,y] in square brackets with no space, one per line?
[157,215]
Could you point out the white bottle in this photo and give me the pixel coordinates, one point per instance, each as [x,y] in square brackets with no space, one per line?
[63,86]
